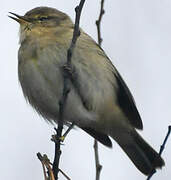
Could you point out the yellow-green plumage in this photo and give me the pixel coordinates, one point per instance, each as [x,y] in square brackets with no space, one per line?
[99,101]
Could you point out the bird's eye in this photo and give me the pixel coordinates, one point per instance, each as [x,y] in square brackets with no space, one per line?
[43,18]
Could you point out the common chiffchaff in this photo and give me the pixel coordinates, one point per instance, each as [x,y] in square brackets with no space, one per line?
[99,101]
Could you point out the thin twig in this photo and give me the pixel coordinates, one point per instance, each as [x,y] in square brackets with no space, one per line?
[98,165]
[64,175]
[40,157]
[67,131]
[98,23]
[46,164]
[76,32]
[162,147]
[96,153]
[67,75]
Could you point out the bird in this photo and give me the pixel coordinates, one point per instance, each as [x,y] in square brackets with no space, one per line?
[99,101]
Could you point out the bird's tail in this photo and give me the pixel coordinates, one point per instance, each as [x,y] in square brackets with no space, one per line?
[144,157]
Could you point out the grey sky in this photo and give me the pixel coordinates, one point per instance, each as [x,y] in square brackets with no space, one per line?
[137,38]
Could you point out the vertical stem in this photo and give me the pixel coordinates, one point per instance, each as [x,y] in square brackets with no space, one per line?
[96,153]
[67,76]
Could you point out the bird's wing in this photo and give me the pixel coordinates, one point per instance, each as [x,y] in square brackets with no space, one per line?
[124,96]
[127,103]
[103,138]
[101,64]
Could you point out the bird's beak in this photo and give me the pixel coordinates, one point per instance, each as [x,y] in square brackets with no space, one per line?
[19,19]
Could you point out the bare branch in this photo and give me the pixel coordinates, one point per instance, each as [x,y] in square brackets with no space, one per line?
[40,157]
[98,22]
[98,165]
[64,175]
[96,153]
[46,165]
[67,75]
[76,32]
[162,147]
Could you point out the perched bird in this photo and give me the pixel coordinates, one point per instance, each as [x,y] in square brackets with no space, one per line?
[99,101]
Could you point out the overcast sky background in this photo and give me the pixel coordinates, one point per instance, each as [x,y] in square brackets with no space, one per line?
[137,38]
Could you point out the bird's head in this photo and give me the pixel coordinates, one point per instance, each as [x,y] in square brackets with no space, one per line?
[41,20]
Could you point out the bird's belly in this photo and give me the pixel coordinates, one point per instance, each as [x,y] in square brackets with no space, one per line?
[39,91]
[44,91]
